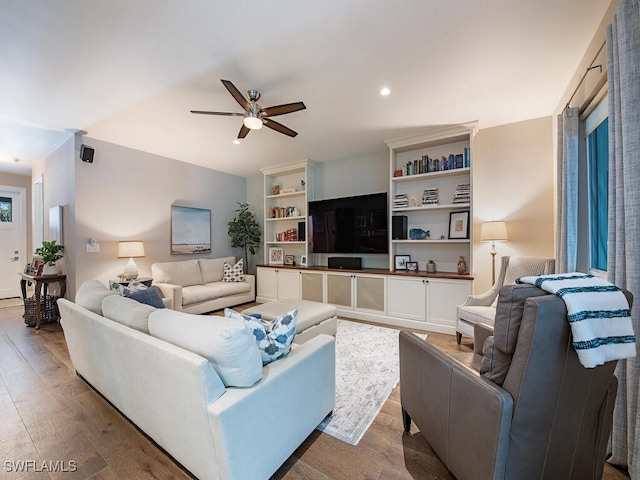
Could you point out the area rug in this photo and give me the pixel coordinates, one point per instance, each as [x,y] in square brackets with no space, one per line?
[367,370]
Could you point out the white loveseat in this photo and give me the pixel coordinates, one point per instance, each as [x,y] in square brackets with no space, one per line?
[178,398]
[196,286]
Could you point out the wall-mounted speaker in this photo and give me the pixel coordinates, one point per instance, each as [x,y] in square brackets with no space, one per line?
[86,153]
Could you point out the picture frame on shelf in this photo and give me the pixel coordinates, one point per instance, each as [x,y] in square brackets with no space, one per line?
[412,266]
[288,260]
[276,256]
[400,261]
[303,261]
[459,225]
[36,266]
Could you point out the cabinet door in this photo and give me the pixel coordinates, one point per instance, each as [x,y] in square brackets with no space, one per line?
[444,297]
[370,293]
[312,286]
[339,289]
[288,284]
[267,283]
[407,298]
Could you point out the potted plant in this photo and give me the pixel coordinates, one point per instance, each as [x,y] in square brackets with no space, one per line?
[245,232]
[50,253]
[431,266]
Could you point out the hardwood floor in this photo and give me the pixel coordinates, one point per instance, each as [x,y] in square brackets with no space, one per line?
[48,415]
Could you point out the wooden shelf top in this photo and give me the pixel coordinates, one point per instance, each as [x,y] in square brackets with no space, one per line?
[376,271]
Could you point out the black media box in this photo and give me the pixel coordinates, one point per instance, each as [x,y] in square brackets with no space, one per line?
[349,263]
[399,227]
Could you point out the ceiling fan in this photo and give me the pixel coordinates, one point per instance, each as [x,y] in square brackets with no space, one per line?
[254,115]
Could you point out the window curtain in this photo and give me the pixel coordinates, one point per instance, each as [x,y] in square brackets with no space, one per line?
[568,169]
[623,53]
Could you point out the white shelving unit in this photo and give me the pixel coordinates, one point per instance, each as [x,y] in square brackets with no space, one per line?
[292,207]
[433,218]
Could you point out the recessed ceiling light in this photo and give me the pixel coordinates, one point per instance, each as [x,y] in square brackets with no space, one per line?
[236,141]
[385,91]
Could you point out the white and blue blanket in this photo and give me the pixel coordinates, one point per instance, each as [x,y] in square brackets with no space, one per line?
[598,313]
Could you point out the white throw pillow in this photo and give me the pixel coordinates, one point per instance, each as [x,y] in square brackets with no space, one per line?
[225,342]
[234,273]
[128,312]
[90,295]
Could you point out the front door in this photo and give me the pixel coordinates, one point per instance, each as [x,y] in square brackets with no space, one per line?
[13,239]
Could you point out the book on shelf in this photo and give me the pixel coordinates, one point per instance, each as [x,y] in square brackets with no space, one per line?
[431,165]
[466,155]
[401,201]
[430,196]
[289,235]
[462,193]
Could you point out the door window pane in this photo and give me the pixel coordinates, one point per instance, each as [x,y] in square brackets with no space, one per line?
[6,210]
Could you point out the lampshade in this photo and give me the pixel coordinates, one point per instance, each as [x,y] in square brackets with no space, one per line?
[130,249]
[492,231]
[253,123]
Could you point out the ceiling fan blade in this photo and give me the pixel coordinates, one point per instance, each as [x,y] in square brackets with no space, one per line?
[228,114]
[243,131]
[235,93]
[278,127]
[282,109]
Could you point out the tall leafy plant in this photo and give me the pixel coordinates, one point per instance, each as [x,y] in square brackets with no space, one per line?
[245,232]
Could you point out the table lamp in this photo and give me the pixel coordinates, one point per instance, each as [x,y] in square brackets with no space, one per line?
[493,232]
[130,249]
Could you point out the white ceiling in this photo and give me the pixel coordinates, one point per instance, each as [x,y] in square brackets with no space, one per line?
[129,72]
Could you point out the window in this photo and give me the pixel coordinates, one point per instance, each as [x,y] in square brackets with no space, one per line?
[597,129]
[6,212]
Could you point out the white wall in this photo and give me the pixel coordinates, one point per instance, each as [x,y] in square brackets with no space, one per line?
[127,194]
[513,180]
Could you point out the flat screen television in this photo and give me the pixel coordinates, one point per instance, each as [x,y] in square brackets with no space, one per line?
[349,225]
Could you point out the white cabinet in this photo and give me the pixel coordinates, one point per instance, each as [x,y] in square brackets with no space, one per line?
[312,286]
[340,289]
[436,185]
[429,300]
[407,298]
[277,284]
[405,301]
[357,292]
[444,297]
[287,192]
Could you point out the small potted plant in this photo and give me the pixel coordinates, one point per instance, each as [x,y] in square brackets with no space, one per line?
[50,253]
[431,266]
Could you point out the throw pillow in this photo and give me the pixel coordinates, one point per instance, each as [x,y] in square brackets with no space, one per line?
[273,338]
[132,286]
[234,273]
[225,342]
[116,287]
[150,296]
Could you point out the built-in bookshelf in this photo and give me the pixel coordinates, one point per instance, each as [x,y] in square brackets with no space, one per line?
[287,192]
[430,184]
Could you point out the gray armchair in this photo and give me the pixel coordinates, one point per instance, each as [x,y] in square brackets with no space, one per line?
[482,308]
[532,411]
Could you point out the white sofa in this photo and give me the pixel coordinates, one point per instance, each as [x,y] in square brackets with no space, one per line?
[178,398]
[196,286]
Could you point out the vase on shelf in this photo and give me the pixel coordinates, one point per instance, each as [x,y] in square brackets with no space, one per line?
[462,266]
[50,270]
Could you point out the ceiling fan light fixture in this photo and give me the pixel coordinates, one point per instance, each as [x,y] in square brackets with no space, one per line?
[253,123]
